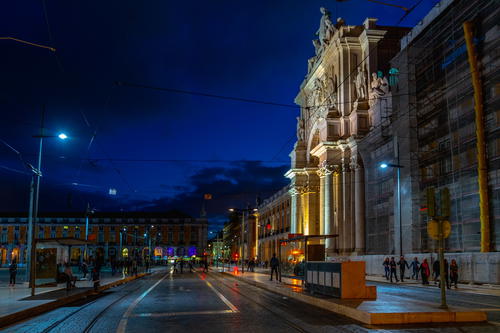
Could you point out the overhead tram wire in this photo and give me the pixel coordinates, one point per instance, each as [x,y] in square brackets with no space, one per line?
[197,93]
[85,118]
[295,106]
[180,91]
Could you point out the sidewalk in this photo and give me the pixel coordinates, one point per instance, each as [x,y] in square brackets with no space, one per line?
[489,290]
[16,303]
[384,310]
[478,289]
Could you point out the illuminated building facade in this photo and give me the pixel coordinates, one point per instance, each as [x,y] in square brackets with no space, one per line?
[114,235]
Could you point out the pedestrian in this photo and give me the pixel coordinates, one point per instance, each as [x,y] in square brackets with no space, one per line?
[95,278]
[70,278]
[446,269]
[426,272]
[392,266]
[274,266]
[403,265]
[435,271]
[266,263]
[12,273]
[85,269]
[387,269]
[182,265]
[415,266]
[454,272]
[205,266]
[190,264]
[134,267]
[251,265]
[175,267]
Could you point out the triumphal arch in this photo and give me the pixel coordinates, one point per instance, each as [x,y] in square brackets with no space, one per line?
[338,100]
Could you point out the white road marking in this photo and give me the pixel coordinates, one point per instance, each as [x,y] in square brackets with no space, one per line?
[222,297]
[187,313]
[123,322]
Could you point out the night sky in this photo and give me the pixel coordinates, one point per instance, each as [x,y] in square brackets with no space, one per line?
[160,150]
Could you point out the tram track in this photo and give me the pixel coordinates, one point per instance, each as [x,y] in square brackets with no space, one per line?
[247,296]
[126,292]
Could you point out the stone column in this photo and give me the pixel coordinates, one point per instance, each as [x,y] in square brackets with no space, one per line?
[328,209]
[321,174]
[293,212]
[360,209]
[339,228]
[346,218]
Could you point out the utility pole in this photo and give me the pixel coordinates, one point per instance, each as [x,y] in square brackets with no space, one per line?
[34,207]
[242,241]
[439,228]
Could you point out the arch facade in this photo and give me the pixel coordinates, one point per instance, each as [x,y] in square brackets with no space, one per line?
[327,178]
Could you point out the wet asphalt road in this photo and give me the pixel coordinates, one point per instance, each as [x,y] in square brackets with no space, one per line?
[194,302]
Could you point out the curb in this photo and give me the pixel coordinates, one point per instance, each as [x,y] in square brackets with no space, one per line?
[43,308]
[375,318]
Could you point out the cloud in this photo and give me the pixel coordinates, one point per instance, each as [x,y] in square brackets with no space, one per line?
[236,185]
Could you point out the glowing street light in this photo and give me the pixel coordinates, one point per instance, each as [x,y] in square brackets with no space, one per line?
[383,165]
[62,136]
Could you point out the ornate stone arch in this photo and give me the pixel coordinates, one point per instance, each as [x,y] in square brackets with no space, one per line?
[317,134]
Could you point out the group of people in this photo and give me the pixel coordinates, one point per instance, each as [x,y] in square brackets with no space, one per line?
[178,266]
[424,269]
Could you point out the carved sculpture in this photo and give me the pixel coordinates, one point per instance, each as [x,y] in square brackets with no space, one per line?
[379,87]
[330,84]
[325,32]
[360,83]
[326,27]
[317,93]
[301,130]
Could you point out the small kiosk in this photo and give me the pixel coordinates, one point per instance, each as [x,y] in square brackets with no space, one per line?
[52,253]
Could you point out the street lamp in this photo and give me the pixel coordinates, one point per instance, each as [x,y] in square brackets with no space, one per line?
[242,211]
[34,202]
[398,167]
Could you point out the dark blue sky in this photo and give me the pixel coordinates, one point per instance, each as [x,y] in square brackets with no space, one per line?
[255,50]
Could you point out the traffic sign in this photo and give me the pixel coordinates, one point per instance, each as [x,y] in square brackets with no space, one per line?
[433,229]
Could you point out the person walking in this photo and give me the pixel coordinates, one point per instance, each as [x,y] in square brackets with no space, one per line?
[274,266]
[12,273]
[403,265]
[387,268]
[182,266]
[134,267]
[435,271]
[392,266]
[251,265]
[96,278]
[205,266]
[415,266]
[454,272]
[446,270]
[426,272]
[70,278]
[85,269]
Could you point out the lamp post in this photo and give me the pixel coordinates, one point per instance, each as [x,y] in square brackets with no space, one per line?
[243,211]
[34,201]
[398,167]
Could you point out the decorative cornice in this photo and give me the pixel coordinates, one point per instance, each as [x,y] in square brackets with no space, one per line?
[323,147]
